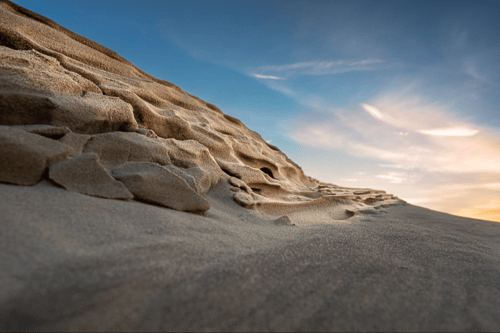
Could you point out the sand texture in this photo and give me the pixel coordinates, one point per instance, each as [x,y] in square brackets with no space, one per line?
[128,204]
[74,262]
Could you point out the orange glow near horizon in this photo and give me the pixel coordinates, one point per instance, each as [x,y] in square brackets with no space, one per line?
[489,211]
[423,151]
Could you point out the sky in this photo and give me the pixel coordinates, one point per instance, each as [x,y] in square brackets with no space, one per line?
[401,96]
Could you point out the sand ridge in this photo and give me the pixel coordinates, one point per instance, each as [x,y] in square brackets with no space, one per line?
[102,104]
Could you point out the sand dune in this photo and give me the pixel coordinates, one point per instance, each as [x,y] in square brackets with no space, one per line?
[51,76]
[125,202]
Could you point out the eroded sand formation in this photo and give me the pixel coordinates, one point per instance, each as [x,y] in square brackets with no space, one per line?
[77,114]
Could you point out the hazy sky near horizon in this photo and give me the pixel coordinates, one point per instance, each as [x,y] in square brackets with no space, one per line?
[395,95]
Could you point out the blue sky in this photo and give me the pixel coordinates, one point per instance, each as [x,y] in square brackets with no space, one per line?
[393,95]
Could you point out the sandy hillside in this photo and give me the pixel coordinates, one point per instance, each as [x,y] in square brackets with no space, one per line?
[89,109]
[129,204]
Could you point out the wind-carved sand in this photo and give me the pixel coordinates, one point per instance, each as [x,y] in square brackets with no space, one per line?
[77,114]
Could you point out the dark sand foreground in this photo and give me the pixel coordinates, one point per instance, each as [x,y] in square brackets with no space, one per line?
[74,262]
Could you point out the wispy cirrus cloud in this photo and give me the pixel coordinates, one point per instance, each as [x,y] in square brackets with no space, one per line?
[427,119]
[267,77]
[450,132]
[433,139]
[319,68]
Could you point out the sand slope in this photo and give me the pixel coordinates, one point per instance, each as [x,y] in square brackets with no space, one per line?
[76,262]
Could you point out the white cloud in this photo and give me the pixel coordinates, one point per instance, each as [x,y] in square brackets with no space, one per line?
[408,112]
[282,89]
[393,177]
[321,67]
[450,132]
[373,111]
[326,65]
[395,166]
[268,77]
[466,148]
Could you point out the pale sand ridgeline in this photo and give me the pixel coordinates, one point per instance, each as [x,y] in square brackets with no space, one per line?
[128,204]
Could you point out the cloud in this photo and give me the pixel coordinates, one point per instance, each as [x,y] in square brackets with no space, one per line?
[471,67]
[393,177]
[450,132]
[281,86]
[434,150]
[267,77]
[321,67]
[373,111]
[418,118]
[394,166]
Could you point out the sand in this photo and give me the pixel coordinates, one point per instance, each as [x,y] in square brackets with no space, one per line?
[128,204]
[76,262]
